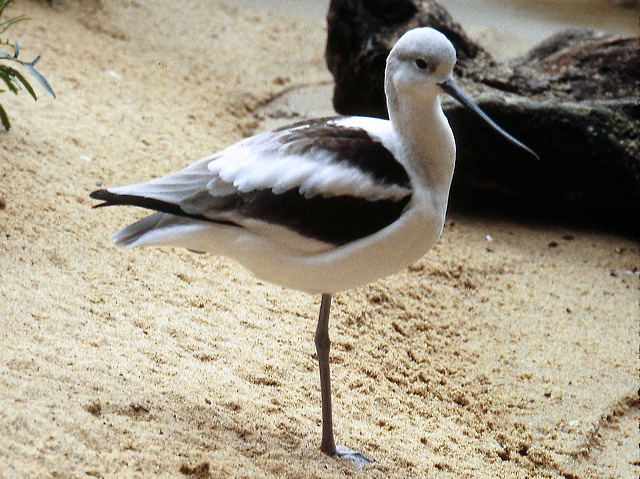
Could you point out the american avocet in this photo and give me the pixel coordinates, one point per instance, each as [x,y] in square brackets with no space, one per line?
[322,205]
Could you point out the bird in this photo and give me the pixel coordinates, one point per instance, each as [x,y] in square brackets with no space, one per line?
[323,205]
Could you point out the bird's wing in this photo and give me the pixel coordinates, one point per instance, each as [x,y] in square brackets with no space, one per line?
[320,178]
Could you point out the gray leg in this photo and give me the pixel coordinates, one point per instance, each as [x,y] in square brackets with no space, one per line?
[323,347]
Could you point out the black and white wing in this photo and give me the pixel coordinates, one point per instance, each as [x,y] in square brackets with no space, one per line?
[331,180]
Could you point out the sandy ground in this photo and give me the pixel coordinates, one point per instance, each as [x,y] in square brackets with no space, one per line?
[515,357]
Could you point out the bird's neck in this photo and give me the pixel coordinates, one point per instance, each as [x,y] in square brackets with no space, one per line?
[426,139]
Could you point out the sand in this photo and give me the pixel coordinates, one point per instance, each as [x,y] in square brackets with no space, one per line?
[510,350]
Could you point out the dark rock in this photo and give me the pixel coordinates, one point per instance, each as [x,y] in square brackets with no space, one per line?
[361,35]
[577,64]
[573,99]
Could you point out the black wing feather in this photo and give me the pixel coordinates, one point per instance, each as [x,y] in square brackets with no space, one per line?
[337,220]
[113,199]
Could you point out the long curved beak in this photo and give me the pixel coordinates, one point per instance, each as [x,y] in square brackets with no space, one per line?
[456,92]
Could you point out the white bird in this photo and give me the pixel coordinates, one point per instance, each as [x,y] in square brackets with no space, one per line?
[323,205]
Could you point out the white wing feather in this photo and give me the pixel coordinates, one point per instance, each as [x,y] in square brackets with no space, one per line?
[262,162]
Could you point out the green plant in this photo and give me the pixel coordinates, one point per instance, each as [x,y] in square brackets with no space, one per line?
[12,78]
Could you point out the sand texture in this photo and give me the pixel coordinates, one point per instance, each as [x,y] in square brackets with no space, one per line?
[509,351]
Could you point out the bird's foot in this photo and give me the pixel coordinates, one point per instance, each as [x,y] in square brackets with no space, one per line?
[356,458]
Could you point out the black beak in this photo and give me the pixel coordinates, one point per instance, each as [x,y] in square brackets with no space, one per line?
[456,92]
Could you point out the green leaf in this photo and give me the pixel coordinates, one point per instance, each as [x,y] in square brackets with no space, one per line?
[24,81]
[12,77]
[39,77]
[6,75]
[4,4]
[5,119]
[30,66]
[4,26]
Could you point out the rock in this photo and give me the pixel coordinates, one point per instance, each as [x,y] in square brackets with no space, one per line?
[573,99]
[361,35]
[577,64]
[628,3]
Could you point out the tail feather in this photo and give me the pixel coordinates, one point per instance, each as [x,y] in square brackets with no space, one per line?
[129,235]
[113,199]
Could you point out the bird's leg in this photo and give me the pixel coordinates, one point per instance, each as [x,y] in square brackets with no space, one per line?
[323,347]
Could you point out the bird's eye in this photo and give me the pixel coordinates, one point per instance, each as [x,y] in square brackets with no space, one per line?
[421,64]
